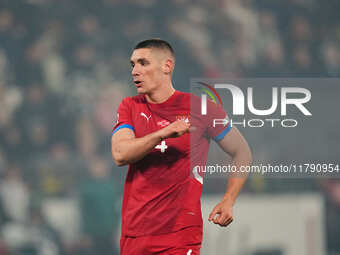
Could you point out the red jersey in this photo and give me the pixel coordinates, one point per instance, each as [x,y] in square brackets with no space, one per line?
[161,192]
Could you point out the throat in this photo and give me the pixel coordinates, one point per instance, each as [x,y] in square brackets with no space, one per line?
[160,97]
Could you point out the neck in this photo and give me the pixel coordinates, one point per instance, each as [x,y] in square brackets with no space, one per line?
[161,95]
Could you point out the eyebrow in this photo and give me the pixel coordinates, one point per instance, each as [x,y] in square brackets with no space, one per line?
[138,60]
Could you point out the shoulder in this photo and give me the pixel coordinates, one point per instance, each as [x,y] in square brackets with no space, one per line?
[183,96]
[139,99]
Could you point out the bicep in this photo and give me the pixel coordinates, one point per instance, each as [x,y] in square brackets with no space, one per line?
[121,135]
[233,142]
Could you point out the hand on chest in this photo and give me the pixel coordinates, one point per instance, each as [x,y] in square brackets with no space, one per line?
[146,122]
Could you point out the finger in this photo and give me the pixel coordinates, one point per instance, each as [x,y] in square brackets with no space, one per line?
[213,214]
[182,132]
[227,216]
[222,219]
[187,129]
[228,222]
[216,220]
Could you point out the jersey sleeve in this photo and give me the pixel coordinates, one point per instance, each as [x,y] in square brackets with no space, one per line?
[218,122]
[124,119]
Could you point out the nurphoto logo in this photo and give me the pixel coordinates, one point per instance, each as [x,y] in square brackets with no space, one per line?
[281,99]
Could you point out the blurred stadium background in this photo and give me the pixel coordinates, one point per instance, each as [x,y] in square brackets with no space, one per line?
[64,68]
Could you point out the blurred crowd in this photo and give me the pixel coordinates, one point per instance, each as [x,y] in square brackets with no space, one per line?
[64,68]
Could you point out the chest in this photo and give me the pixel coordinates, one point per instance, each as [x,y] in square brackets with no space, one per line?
[146,121]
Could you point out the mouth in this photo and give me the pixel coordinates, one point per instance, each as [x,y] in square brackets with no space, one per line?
[138,83]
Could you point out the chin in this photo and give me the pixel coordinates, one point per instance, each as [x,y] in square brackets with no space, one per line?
[140,91]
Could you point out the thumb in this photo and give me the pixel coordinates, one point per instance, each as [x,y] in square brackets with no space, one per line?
[212,214]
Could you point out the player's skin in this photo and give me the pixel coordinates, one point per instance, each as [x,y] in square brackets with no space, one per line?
[151,71]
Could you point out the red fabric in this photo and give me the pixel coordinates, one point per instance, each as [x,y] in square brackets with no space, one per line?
[161,193]
[186,241]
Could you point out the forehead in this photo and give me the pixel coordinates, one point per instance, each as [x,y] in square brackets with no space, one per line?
[145,53]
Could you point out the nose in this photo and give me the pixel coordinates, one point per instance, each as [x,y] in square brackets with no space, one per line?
[134,71]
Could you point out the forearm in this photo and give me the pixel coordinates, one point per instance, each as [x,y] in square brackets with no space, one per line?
[236,146]
[130,150]
[127,149]
[237,179]
[234,187]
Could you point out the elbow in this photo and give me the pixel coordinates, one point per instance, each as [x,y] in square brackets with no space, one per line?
[120,163]
[118,158]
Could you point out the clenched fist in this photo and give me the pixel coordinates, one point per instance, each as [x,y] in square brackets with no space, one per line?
[175,129]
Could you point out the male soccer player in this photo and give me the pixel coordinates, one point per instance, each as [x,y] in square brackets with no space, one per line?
[158,136]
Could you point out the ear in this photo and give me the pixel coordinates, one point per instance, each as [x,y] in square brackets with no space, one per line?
[168,66]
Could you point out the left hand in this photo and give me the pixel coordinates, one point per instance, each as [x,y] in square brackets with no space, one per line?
[222,214]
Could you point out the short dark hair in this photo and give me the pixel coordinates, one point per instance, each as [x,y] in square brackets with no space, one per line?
[155,43]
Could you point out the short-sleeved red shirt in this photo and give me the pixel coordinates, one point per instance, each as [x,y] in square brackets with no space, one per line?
[162,193]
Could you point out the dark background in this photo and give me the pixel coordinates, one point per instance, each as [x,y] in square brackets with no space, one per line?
[64,68]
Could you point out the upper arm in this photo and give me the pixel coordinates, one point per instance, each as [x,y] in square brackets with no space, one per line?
[123,129]
[229,138]
[117,141]
[124,123]
[233,142]
[121,135]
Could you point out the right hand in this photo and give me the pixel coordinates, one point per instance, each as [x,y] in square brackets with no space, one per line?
[175,129]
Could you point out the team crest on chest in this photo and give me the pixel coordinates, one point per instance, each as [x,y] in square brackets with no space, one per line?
[185,118]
